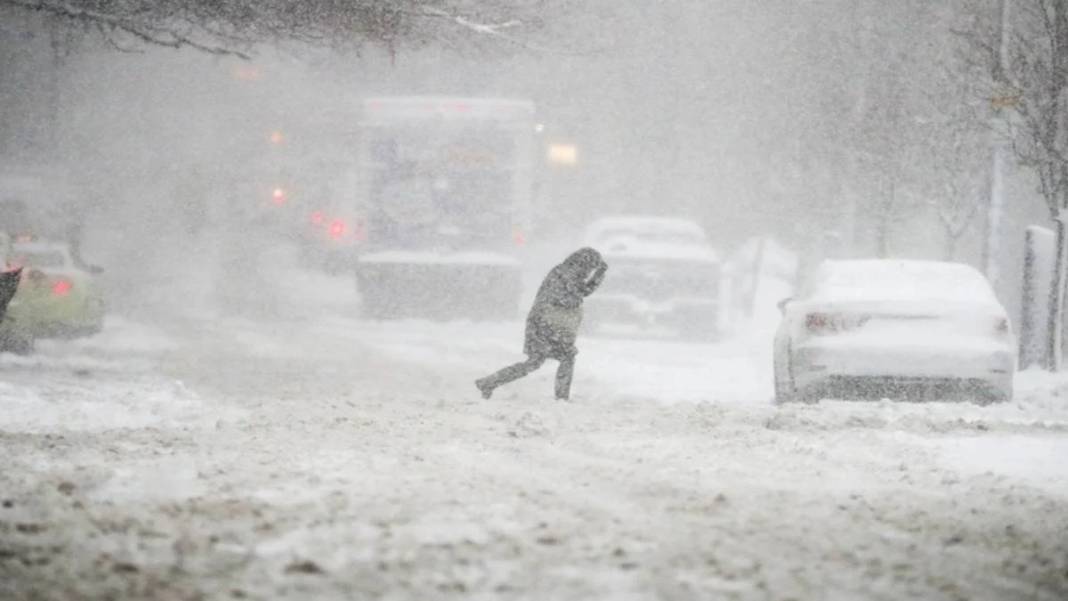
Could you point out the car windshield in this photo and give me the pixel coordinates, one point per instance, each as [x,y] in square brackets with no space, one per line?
[40,259]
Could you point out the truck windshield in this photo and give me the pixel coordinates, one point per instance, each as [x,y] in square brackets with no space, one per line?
[441,184]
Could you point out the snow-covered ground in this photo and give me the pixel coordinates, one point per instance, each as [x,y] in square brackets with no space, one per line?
[313,455]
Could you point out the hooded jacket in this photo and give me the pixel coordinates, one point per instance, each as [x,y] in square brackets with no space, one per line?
[553,321]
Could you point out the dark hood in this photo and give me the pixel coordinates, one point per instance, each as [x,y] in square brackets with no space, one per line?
[584,260]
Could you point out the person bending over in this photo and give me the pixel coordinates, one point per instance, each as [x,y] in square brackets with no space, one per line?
[553,322]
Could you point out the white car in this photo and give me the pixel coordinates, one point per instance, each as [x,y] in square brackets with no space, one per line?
[663,278]
[894,328]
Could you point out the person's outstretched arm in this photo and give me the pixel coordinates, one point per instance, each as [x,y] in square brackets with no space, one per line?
[595,280]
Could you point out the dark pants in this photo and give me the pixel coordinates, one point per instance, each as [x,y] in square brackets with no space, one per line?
[511,373]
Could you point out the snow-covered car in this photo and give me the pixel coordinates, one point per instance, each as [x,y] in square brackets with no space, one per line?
[894,328]
[663,278]
[56,297]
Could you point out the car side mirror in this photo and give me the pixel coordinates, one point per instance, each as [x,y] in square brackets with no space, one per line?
[785,303]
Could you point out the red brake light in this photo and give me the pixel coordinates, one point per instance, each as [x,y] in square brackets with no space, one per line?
[62,287]
[818,323]
[337,229]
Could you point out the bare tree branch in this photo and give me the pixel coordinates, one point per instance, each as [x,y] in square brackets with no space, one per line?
[112,22]
[234,27]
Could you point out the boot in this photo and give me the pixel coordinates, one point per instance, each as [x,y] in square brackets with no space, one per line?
[484,387]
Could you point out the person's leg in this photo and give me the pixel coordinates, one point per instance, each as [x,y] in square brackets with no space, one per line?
[508,374]
[564,373]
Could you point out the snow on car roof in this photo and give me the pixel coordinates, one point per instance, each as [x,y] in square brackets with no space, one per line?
[890,279]
[631,248]
[649,236]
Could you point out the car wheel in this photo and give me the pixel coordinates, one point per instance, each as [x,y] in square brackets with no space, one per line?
[784,389]
[19,345]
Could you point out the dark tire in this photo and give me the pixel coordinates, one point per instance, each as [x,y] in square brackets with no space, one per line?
[784,393]
[784,386]
[19,345]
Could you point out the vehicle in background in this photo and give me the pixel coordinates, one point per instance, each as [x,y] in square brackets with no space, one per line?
[332,231]
[663,278]
[894,328]
[444,190]
[56,298]
[331,241]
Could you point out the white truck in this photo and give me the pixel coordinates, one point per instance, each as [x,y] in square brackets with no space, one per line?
[445,190]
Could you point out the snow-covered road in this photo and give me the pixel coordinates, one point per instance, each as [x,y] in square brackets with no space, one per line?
[319,456]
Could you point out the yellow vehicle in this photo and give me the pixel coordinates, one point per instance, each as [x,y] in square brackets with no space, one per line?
[55,298]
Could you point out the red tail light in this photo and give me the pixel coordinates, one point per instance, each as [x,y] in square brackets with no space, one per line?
[819,323]
[62,288]
[828,323]
[519,237]
[337,229]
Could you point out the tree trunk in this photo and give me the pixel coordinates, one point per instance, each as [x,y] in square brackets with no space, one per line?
[1056,302]
[886,218]
[1059,81]
[882,246]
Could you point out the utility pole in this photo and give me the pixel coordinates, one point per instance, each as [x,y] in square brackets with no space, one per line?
[996,206]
